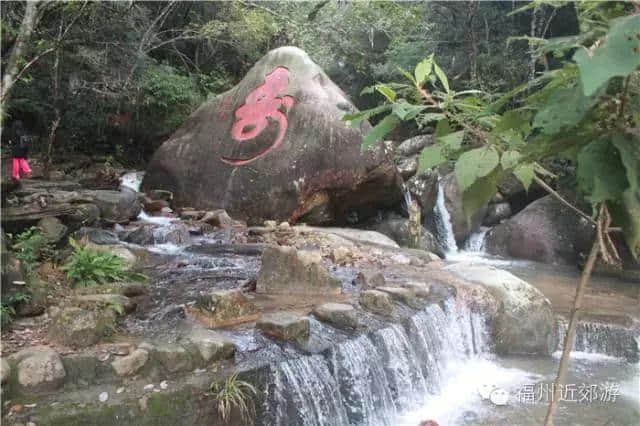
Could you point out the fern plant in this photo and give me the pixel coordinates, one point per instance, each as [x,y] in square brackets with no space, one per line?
[31,247]
[8,308]
[88,266]
[231,393]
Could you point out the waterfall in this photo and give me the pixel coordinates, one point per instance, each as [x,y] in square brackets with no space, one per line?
[443,222]
[606,339]
[475,243]
[370,379]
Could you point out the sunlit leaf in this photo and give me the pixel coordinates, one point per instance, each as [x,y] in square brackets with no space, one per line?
[387,92]
[380,130]
[423,69]
[430,156]
[442,77]
[474,164]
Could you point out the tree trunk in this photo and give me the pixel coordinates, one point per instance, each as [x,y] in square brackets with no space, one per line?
[12,69]
[57,115]
[571,333]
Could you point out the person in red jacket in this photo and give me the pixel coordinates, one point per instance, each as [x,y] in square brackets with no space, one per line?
[19,151]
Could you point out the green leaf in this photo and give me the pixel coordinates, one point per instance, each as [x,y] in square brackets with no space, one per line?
[452,141]
[380,130]
[601,174]
[442,129]
[430,157]
[474,164]
[406,74]
[509,159]
[618,56]
[442,77]
[387,92]
[480,192]
[564,109]
[356,118]
[423,69]
[629,147]
[430,117]
[525,174]
[406,111]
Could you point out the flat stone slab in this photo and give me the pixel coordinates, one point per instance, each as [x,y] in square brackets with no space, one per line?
[130,364]
[340,315]
[284,326]
[211,345]
[376,301]
[224,308]
[404,295]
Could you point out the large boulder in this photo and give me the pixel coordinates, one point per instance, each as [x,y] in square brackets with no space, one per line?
[115,206]
[77,328]
[39,368]
[275,147]
[545,231]
[424,188]
[414,145]
[397,228]
[286,270]
[524,323]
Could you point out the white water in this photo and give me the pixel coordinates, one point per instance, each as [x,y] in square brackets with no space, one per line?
[443,222]
[133,180]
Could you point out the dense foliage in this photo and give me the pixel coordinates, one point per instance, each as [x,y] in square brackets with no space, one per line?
[586,110]
[118,77]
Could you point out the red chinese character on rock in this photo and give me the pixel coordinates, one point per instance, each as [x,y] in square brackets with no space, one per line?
[261,104]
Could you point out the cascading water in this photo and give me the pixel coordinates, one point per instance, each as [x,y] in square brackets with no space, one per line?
[443,222]
[475,242]
[373,378]
[603,339]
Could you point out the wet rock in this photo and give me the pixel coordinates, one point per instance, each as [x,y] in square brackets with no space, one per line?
[77,328]
[496,213]
[218,218]
[407,167]
[397,228]
[351,234]
[191,214]
[134,289]
[154,205]
[5,371]
[52,229]
[462,227]
[284,326]
[376,301]
[424,188]
[16,219]
[545,231]
[525,323]
[96,235]
[404,295]
[227,307]
[39,368]
[338,314]
[414,146]
[130,364]
[286,270]
[369,279]
[212,346]
[341,255]
[172,357]
[441,291]
[142,235]
[159,194]
[105,301]
[177,234]
[115,206]
[282,169]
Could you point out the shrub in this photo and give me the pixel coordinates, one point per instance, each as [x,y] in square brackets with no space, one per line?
[31,247]
[88,266]
[8,308]
[231,393]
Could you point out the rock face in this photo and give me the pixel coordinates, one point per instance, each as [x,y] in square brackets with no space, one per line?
[525,323]
[288,271]
[284,326]
[39,368]
[496,213]
[414,145]
[545,231]
[275,147]
[397,228]
[424,188]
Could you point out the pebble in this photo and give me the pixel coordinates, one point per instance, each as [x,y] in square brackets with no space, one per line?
[156,390]
[104,357]
[31,424]
[199,371]
[30,405]
[120,390]
[164,384]
[149,387]
[103,396]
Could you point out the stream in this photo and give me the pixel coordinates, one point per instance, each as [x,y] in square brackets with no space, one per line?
[437,365]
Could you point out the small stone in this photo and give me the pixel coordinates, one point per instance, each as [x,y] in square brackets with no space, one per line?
[77,328]
[338,314]
[376,301]
[226,307]
[5,370]
[199,371]
[103,396]
[404,295]
[284,226]
[31,424]
[369,279]
[104,357]
[30,405]
[149,387]
[217,218]
[270,224]
[284,326]
[143,403]
[211,345]
[341,255]
[156,390]
[119,390]
[164,384]
[130,364]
